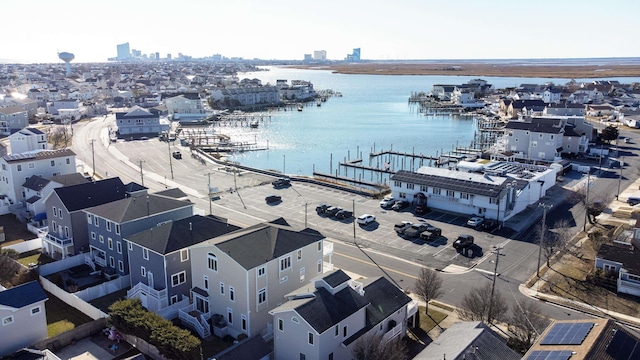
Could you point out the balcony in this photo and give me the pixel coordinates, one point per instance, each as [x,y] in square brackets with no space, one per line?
[59,241]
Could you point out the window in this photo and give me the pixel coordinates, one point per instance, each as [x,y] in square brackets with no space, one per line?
[337,330]
[232,294]
[262,296]
[299,255]
[93,235]
[143,271]
[397,183]
[7,321]
[88,217]
[130,246]
[301,274]
[310,338]
[319,245]
[109,226]
[303,356]
[174,299]
[540,136]
[437,191]
[118,229]
[551,136]
[344,331]
[230,315]
[145,253]
[464,196]
[19,167]
[96,222]
[244,322]
[68,161]
[295,320]
[55,212]
[212,261]
[424,188]
[120,266]
[101,239]
[179,278]
[285,263]
[319,266]
[410,186]
[112,262]
[205,280]
[35,310]
[66,231]
[280,324]
[118,246]
[331,356]
[221,288]
[184,255]
[109,243]
[261,271]
[451,193]
[402,195]
[53,163]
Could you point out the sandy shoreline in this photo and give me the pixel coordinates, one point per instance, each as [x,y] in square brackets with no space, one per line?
[483,69]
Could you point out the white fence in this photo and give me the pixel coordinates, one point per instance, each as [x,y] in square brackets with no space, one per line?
[26,246]
[72,300]
[171,312]
[57,266]
[94,292]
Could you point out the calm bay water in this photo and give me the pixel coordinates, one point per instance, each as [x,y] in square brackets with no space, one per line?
[373,111]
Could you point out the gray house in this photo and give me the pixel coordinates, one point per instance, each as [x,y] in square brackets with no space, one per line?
[108,224]
[139,122]
[67,233]
[240,276]
[325,319]
[36,189]
[537,139]
[159,262]
[23,320]
[621,260]
[13,118]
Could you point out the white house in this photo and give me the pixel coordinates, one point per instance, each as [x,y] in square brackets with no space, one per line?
[28,139]
[13,118]
[17,168]
[621,260]
[23,319]
[184,104]
[502,191]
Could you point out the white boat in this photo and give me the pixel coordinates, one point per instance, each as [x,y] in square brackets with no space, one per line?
[299,107]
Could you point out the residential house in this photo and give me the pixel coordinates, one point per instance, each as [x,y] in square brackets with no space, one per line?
[28,139]
[139,122]
[17,168]
[31,106]
[468,340]
[67,224]
[110,223]
[65,110]
[13,118]
[498,191]
[551,95]
[159,262]
[564,109]
[36,189]
[299,90]
[246,97]
[240,276]
[536,138]
[23,319]
[325,319]
[187,103]
[621,261]
[519,107]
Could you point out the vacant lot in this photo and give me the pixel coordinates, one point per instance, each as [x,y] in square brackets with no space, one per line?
[14,230]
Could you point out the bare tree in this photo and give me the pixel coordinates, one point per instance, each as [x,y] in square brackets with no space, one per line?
[428,286]
[8,266]
[526,323]
[597,238]
[557,239]
[373,347]
[478,305]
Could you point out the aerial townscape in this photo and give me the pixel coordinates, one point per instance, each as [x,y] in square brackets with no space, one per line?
[175,207]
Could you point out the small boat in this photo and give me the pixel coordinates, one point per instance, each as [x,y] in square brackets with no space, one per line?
[254,124]
[319,103]
[299,107]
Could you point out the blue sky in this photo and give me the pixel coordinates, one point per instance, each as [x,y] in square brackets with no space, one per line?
[286,29]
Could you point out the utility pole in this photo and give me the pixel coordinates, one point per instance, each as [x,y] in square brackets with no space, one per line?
[353,210]
[542,233]
[141,174]
[586,201]
[209,192]
[620,176]
[493,286]
[305,214]
[93,157]
[170,156]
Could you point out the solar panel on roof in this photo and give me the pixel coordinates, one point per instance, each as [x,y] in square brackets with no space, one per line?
[623,347]
[550,355]
[567,334]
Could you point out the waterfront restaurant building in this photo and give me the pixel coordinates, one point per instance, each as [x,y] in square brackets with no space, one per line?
[496,191]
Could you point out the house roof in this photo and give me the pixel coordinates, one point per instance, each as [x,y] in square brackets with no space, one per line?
[180,234]
[175,193]
[12,110]
[135,207]
[69,179]
[324,310]
[82,196]
[22,295]
[254,348]
[535,126]
[39,155]
[134,187]
[261,243]
[615,343]
[336,278]
[453,180]
[627,255]
[36,183]
[33,199]
[471,338]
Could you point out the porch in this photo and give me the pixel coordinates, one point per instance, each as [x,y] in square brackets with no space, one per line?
[151,299]
[190,316]
[58,247]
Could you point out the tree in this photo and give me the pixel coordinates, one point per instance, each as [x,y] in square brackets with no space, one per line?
[609,133]
[557,239]
[478,305]
[373,347]
[525,324]
[597,238]
[8,266]
[428,286]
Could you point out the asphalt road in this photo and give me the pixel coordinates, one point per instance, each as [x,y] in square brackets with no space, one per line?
[381,252]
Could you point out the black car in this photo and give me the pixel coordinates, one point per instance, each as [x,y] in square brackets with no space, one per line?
[322,208]
[399,205]
[415,230]
[177,154]
[489,225]
[270,199]
[280,183]
[421,210]
[344,214]
[431,233]
[463,242]
[401,227]
[332,211]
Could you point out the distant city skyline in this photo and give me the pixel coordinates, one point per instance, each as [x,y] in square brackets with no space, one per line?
[287,29]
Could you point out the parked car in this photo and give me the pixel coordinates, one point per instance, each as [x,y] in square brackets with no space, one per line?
[344,214]
[280,183]
[366,219]
[270,199]
[421,210]
[415,230]
[387,202]
[626,140]
[177,154]
[489,225]
[332,211]
[399,205]
[47,122]
[322,208]
[463,242]
[431,233]
[475,221]
[401,227]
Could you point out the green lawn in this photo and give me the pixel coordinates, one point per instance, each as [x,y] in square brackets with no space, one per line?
[429,322]
[34,257]
[62,317]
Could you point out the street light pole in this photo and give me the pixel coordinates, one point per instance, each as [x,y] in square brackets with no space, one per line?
[93,157]
[620,176]
[209,192]
[586,201]
[170,161]
[542,232]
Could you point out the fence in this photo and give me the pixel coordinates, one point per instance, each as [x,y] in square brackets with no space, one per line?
[25,246]
[105,288]
[72,300]
[144,347]
[57,266]
[78,333]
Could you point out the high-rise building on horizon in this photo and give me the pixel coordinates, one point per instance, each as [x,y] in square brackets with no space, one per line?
[354,56]
[123,51]
[320,55]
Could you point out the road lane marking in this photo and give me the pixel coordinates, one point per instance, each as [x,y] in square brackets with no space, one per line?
[375,266]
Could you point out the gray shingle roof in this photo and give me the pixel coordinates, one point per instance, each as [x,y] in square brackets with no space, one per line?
[627,255]
[180,234]
[135,207]
[450,183]
[35,183]
[82,196]
[22,295]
